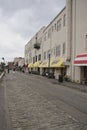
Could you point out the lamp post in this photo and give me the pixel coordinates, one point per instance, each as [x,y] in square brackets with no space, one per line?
[3,63]
[49,65]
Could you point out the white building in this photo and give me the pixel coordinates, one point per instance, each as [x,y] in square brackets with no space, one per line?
[19,61]
[61,43]
[79,40]
[33,50]
[55,46]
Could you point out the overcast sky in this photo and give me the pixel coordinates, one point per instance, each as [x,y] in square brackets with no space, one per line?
[20,20]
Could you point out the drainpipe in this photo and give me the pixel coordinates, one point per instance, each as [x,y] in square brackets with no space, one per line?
[69,27]
[69,31]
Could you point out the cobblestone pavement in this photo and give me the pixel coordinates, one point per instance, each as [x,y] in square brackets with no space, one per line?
[4,124]
[30,111]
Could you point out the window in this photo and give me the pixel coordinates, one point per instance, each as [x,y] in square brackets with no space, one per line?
[64,20]
[54,51]
[49,33]
[58,50]
[44,55]
[55,26]
[39,40]
[45,36]
[59,24]
[64,48]
[48,52]
[36,59]
[33,59]
[52,28]
[39,57]
[30,60]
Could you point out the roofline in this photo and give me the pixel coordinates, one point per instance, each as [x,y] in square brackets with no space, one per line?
[55,18]
[43,27]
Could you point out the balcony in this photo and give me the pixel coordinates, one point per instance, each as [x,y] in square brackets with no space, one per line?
[37,46]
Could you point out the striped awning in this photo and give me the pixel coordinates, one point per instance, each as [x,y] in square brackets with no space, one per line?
[81,60]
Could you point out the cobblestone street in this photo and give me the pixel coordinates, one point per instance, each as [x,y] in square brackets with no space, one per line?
[4,124]
[29,110]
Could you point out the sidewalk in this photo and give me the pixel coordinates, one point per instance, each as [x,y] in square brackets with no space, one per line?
[80,87]
[1,75]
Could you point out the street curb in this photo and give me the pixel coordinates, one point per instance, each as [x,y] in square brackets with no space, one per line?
[77,88]
[55,81]
[1,76]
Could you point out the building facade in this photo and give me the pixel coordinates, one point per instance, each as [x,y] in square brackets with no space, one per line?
[79,41]
[33,50]
[58,47]
[55,46]
[19,61]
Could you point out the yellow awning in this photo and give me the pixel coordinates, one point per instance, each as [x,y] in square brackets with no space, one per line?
[31,65]
[37,64]
[44,64]
[53,63]
[57,63]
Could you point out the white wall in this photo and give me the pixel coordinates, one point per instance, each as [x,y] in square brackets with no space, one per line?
[57,37]
[79,32]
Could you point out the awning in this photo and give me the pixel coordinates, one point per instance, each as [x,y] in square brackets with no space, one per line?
[57,63]
[81,60]
[31,65]
[44,64]
[37,64]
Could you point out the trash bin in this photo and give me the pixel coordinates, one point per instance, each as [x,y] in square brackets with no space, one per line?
[51,75]
[60,78]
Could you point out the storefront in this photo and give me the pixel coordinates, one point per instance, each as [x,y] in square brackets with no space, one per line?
[36,66]
[81,63]
[43,67]
[30,67]
[58,67]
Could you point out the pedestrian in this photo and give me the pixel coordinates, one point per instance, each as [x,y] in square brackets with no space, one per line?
[8,68]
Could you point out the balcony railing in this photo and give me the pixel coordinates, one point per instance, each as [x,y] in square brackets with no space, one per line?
[37,46]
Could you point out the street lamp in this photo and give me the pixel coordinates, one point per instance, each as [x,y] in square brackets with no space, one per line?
[3,59]
[3,64]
